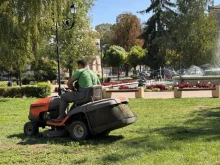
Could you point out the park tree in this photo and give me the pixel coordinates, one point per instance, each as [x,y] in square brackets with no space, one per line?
[155,29]
[77,45]
[127,31]
[115,56]
[14,45]
[194,33]
[78,42]
[136,57]
[28,25]
[173,58]
[44,69]
[106,33]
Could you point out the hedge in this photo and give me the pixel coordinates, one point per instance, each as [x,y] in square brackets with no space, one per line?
[40,91]
[5,84]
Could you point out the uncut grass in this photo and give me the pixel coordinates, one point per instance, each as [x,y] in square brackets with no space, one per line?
[168,131]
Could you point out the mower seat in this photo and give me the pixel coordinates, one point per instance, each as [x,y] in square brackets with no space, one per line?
[92,94]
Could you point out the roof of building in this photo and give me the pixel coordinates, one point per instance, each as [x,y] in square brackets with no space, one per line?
[217,7]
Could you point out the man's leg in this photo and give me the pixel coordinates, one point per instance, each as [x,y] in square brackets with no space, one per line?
[65,99]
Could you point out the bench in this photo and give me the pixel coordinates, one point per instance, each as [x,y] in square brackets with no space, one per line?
[215,91]
[139,92]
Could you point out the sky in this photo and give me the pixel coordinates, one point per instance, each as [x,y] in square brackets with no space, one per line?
[106,11]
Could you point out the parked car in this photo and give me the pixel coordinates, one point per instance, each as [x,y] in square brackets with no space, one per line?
[143,74]
[160,73]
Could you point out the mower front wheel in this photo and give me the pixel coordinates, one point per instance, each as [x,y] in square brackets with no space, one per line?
[31,128]
[78,130]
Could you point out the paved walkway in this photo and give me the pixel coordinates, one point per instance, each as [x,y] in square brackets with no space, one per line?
[164,95]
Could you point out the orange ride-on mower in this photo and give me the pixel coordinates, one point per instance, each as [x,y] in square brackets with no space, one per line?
[90,116]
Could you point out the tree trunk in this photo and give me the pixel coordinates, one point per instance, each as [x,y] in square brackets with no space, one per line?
[38,76]
[20,83]
[135,71]
[126,70]
[70,71]
[118,73]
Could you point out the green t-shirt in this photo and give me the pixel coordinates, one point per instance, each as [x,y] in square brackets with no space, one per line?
[84,77]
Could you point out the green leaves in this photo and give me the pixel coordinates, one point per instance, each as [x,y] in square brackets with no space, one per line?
[155,29]
[195,33]
[136,56]
[190,34]
[27,25]
[115,56]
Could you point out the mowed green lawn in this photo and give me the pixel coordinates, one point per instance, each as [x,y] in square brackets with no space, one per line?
[168,132]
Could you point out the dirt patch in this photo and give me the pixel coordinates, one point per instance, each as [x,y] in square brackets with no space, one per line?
[34,147]
[2,147]
[37,147]
[202,107]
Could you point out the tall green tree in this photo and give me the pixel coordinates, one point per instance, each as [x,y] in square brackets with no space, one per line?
[194,32]
[14,46]
[106,33]
[115,56]
[28,25]
[154,29]
[75,43]
[136,57]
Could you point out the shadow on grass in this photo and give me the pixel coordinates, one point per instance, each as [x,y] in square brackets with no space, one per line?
[64,140]
[3,100]
[137,147]
[204,124]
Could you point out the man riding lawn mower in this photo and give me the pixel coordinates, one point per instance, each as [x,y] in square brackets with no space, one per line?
[89,115]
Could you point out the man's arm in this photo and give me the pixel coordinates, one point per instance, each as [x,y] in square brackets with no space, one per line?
[70,83]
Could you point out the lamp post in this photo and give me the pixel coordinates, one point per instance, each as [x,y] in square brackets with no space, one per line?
[73,11]
[102,61]
[180,72]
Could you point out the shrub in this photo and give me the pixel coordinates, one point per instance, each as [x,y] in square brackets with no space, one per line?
[46,89]
[40,90]
[204,85]
[184,85]
[108,79]
[198,85]
[158,86]
[3,84]
[147,90]
[156,90]
[2,91]
[126,87]
[27,77]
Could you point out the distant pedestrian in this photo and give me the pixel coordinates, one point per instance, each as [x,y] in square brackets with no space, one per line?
[119,73]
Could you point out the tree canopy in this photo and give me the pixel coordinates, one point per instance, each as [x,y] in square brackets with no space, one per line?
[27,26]
[127,31]
[195,32]
[106,33]
[136,56]
[115,56]
[154,29]
[183,31]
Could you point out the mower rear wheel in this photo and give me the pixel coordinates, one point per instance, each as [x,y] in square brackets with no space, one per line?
[78,130]
[31,128]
